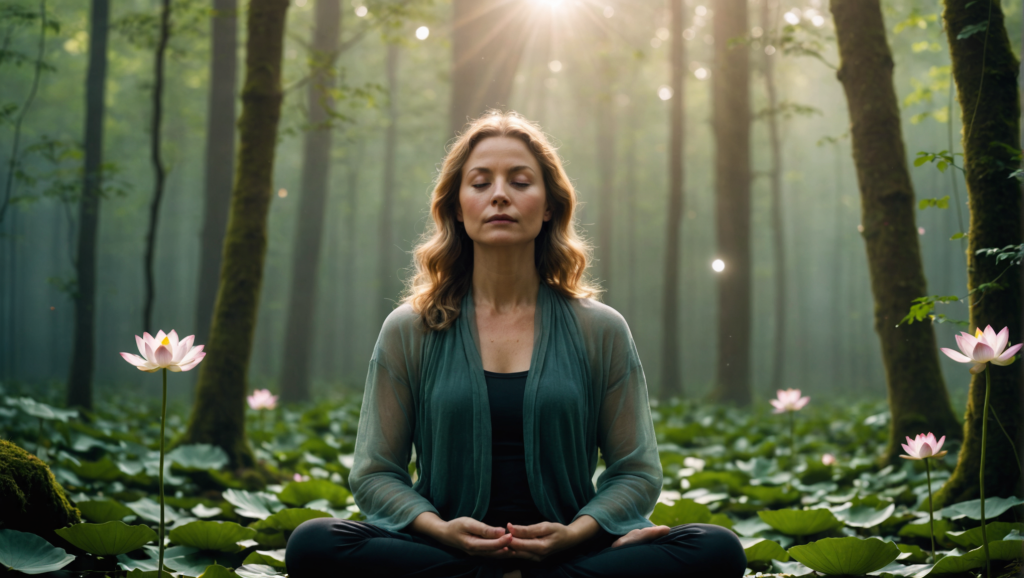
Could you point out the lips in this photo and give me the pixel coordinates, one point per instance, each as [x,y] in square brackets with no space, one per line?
[501,218]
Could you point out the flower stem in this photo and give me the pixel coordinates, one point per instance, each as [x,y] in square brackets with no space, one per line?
[984,434]
[163,420]
[792,446]
[931,516]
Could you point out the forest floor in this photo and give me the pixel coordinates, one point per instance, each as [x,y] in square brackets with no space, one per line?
[828,508]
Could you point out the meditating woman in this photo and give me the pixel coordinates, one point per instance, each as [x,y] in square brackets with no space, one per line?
[507,378]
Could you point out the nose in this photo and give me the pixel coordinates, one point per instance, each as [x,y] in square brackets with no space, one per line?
[500,195]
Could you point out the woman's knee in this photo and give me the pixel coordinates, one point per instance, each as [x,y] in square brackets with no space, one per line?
[722,548]
[317,542]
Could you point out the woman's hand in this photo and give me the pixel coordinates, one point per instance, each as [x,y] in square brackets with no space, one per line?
[539,541]
[475,538]
[641,535]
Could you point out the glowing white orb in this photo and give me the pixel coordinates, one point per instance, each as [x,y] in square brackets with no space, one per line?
[818,21]
[422,32]
[664,93]
[700,73]
[792,18]
[701,11]
[555,66]
[718,265]
[361,11]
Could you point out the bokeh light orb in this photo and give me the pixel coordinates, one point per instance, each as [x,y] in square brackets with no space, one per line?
[422,32]
[664,93]
[718,265]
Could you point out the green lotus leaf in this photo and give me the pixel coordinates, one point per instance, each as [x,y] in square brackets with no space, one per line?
[682,512]
[148,564]
[790,568]
[911,554]
[761,550]
[107,539]
[800,522]
[218,571]
[30,554]
[750,526]
[288,519]
[149,574]
[863,516]
[729,480]
[100,511]
[772,496]
[895,570]
[209,535]
[972,509]
[846,556]
[201,511]
[956,561]
[972,538]
[264,558]
[921,529]
[256,571]
[721,520]
[198,457]
[41,410]
[1013,535]
[104,469]
[194,564]
[149,510]
[258,505]
[301,493]
[271,539]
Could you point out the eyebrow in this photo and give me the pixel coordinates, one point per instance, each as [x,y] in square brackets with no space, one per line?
[512,170]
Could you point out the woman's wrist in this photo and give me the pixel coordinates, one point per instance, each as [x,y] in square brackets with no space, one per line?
[583,528]
[428,524]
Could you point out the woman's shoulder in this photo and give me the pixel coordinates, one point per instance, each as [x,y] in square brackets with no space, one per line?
[595,316]
[402,329]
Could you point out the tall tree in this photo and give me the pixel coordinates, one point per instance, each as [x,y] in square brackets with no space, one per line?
[316,166]
[218,414]
[671,380]
[488,37]
[917,394]
[160,174]
[775,175]
[985,71]
[83,345]
[385,268]
[220,157]
[730,95]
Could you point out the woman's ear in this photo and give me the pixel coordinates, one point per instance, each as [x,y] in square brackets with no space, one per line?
[547,211]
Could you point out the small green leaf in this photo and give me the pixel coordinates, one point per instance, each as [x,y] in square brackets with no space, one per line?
[198,457]
[107,539]
[971,539]
[790,568]
[846,556]
[256,571]
[971,30]
[800,522]
[762,550]
[863,516]
[149,510]
[921,529]
[972,509]
[100,511]
[288,519]
[920,160]
[957,236]
[682,512]
[264,558]
[253,504]
[302,493]
[218,571]
[30,554]
[207,535]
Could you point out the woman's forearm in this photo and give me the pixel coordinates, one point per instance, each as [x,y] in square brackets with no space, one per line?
[428,524]
[584,528]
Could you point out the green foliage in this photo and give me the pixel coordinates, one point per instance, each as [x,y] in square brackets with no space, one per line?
[845,556]
[762,550]
[923,306]
[942,203]
[100,511]
[970,539]
[30,554]
[800,522]
[971,30]
[682,512]
[302,493]
[208,535]
[942,160]
[994,507]
[109,538]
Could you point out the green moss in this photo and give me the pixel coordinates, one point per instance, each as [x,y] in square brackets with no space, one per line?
[32,499]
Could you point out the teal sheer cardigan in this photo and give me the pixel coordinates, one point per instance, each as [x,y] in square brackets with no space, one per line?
[585,391]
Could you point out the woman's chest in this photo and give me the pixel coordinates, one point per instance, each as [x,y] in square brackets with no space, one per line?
[506,340]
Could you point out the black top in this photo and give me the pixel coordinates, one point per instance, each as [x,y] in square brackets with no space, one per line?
[511,500]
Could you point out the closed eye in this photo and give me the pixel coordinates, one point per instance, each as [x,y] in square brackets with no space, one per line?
[481,185]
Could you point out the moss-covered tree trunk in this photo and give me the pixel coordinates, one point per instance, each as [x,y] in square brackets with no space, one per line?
[220,157]
[83,345]
[730,93]
[218,415]
[917,393]
[985,71]
[671,380]
[316,165]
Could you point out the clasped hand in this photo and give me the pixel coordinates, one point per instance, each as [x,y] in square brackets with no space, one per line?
[535,542]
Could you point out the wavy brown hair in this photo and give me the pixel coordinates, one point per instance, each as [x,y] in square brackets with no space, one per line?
[444,256]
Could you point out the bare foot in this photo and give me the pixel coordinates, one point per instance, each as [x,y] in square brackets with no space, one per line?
[513,574]
[641,535]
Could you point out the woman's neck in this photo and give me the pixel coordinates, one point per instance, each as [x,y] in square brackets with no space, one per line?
[504,277]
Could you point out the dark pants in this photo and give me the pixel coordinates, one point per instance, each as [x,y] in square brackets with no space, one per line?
[333,548]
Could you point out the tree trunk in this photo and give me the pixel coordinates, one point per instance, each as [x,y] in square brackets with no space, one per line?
[83,344]
[349,272]
[671,380]
[730,88]
[991,120]
[158,165]
[488,37]
[385,271]
[778,232]
[316,167]
[218,415]
[220,157]
[917,394]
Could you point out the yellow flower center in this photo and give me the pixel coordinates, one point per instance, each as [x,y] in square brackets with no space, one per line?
[166,341]
[978,333]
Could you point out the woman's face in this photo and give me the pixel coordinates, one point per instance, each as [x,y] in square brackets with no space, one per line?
[502,200]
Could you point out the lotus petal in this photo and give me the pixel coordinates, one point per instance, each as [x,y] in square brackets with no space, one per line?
[141,345]
[191,355]
[976,369]
[1007,357]
[162,356]
[133,359]
[983,353]
[1001,340]
[193,363]
[183,348]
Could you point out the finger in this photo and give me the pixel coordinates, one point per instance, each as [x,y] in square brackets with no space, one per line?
[533,546]
[482,545]
[483,530]
[532,531]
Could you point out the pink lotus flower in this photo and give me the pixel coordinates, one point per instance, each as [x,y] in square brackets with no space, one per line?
[788,400]
[983,347]
[299,477]
[165,352]
[923,446]
[828,459]
[262,399]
